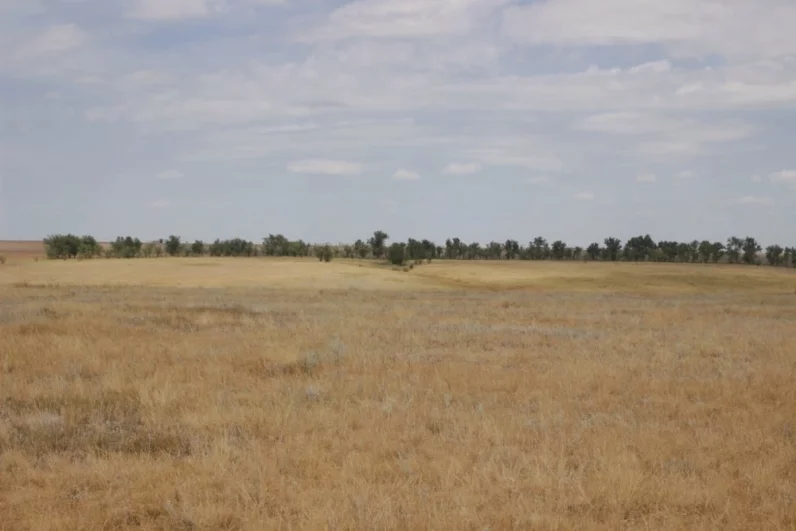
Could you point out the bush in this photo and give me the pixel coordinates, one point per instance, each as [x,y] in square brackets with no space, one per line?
[2,259]
[396,254]
[324,253]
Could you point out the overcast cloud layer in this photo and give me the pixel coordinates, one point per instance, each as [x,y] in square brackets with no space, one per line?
[325,120]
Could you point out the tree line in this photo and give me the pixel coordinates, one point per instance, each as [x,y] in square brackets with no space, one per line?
[734,250]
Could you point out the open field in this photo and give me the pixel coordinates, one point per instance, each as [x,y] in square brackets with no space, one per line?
[289,394]
[22,250]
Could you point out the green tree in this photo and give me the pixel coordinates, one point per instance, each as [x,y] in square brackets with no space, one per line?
[613,247]
[198,248]
[750,249]
[173,244]
[734,245]
[594,251]
[62,246]
[512,249]
[89,247]
[396,253]
[559,250]
[361,249]
[774,255]
[377,243]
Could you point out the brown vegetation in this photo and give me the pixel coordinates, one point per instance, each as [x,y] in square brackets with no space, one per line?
[269,394]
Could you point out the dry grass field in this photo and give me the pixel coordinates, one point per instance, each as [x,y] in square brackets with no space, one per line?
[21,250]
[281,394]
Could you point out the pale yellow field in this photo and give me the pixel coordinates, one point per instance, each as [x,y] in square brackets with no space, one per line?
[290,394]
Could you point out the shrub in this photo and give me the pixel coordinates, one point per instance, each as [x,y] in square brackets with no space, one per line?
[324,253]
[396,254]
[2,259]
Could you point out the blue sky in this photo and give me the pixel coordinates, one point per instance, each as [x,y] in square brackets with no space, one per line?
[326,120]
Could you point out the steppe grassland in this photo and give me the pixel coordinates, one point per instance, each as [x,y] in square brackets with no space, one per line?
[263,394]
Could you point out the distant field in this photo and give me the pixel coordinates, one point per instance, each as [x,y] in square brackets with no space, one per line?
[21,250]
[308,273]
[254,394]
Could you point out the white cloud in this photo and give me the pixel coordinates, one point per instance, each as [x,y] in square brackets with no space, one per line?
[756,178]
[462,168]
[325,167]
[655,67]
[685,27]
[159,203]
[170,174]
[753,200]
[404,18]
[784,176]
[405,175]
[646,178]
[585,196]
[690,88]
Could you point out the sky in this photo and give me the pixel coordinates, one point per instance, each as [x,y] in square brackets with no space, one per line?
[326,120]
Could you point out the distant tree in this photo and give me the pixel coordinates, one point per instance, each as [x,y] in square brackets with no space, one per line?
[472,251]
[750,249]
[539,249]
[396,253]
[705,251]
[430,250]
[126,247]
[718,252]
[377,243]
[172,245]
[62,246]
[640,248]
[198,248]
[613,247]
[415,250]
[734,245]
[362,249]
[89,247]
[558,250]
[788,257]
[594,251]
[512,249]
[324,253]
[276,245]
[149,249]
[774,255]
[577,253]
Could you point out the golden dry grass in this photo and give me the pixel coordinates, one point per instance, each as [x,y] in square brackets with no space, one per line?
[266,394]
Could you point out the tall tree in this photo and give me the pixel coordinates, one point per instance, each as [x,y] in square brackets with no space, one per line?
[750,249]
[173,244]
[594,251]
[559,249]
[734,245]
[774,255]
[377,243]
[613,246]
